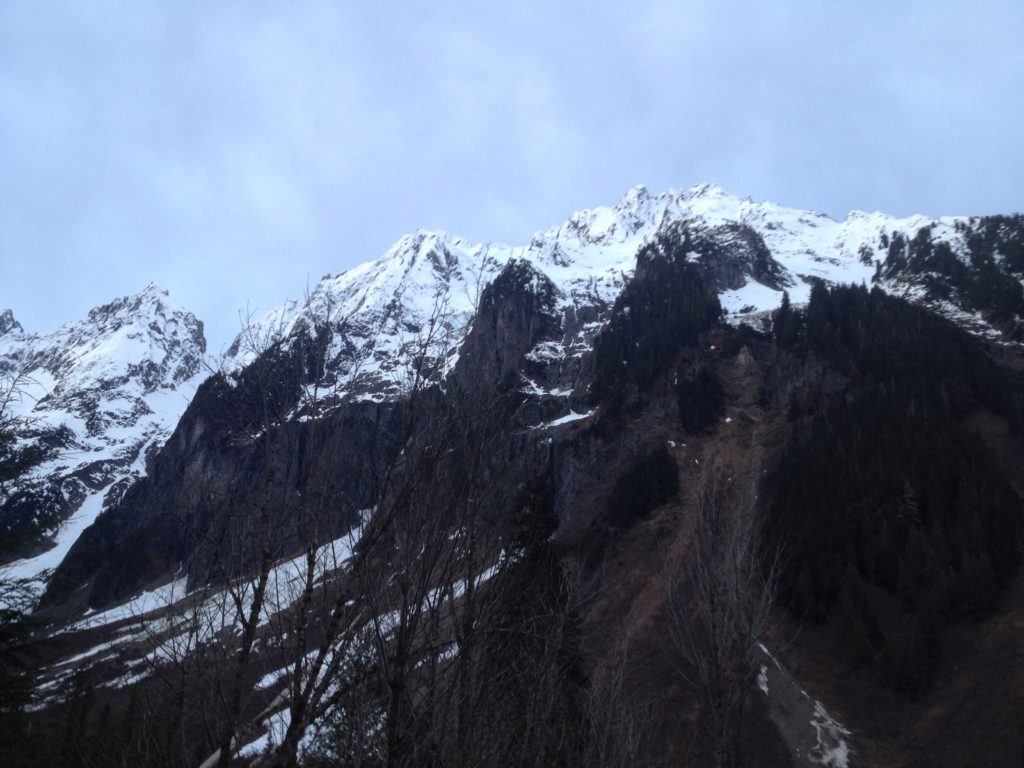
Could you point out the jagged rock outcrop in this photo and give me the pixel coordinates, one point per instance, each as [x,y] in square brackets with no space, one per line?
[8,324]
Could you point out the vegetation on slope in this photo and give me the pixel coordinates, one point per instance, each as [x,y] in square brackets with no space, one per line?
[657,315]
[883,491]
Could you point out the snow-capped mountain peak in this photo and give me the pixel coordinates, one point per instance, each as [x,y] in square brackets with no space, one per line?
[143,339]
[99,394]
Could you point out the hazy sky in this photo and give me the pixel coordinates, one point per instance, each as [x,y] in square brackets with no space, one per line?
[233,152]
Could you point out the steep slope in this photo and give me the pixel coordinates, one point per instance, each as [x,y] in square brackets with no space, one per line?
[92,401]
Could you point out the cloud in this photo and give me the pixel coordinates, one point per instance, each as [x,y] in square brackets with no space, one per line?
[230,150]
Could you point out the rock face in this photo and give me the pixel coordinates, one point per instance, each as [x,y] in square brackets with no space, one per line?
[8,324]
[92,402]
[199,508]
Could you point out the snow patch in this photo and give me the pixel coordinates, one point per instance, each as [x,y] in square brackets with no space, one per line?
[832,748]
[567,419]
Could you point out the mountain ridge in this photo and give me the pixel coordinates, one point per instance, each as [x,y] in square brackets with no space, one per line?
[378,305]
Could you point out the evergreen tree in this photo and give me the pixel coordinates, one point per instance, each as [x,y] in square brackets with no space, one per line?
[882,480]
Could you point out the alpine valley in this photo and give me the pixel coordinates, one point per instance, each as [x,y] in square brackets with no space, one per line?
[690,480]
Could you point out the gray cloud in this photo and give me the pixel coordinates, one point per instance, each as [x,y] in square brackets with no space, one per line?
[230,151]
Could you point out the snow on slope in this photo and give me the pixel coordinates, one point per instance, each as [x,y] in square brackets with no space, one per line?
[167,623]
[380,312]
[103,393]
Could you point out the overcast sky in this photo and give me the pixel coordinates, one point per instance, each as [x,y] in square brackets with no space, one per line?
[234,151]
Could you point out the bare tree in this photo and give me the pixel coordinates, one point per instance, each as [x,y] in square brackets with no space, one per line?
[620,717]
[719,608]
[410,591]
[17,456]
[387,639]
[19,647]
[246,598]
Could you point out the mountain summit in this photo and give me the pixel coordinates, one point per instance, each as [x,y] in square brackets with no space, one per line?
[96,397]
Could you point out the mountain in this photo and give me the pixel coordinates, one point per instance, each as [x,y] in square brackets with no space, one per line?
[375,328]
[92,402]
[116,372]
[966,268]
[687,480]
